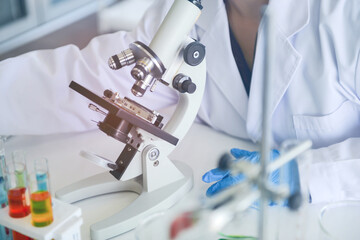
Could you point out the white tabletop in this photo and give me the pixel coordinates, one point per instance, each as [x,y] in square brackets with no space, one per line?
[200,149]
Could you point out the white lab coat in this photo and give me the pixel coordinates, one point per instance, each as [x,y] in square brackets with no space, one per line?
[315,94]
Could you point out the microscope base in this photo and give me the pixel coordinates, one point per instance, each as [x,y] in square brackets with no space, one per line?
[146,204]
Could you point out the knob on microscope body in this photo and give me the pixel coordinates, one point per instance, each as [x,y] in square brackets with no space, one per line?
[184,84]
[194,53]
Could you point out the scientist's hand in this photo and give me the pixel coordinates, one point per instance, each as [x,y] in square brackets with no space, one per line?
[224,179]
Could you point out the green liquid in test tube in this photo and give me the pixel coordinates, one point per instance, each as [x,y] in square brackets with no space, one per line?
[20,178]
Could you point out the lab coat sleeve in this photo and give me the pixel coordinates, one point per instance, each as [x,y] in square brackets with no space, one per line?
[34,93]
[332,173]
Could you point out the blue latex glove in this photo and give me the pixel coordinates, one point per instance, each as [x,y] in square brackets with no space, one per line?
[223,178]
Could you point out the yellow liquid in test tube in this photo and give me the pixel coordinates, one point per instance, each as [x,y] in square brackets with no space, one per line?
[41,209]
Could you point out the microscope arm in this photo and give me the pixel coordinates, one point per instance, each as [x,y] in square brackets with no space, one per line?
[188,104]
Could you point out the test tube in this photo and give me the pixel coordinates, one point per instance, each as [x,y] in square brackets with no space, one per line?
[40,194]
[3,197]
[5,233]
[16,186]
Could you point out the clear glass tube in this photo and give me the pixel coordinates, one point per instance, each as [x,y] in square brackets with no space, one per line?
[17,189]
[16,185]
[5,233]
[3,195]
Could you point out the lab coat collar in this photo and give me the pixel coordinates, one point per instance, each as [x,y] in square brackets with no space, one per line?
[225,76]
[290,19]
[291,16]
[210,11]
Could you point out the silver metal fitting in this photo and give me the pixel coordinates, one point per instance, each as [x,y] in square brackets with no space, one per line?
[125,58]
[96,109]
[142,68]
[139,88]
[153,154]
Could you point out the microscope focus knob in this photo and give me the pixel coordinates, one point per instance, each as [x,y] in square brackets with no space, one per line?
[184,84]
[194,53]
[188,86]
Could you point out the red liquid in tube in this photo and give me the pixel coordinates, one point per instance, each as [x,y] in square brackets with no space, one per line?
[18,206]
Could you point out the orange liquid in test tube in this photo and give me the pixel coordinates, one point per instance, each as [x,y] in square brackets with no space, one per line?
[18,207]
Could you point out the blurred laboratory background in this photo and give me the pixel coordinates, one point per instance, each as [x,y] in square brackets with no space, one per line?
[27,25]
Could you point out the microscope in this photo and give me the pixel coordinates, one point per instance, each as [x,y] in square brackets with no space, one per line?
[177,61]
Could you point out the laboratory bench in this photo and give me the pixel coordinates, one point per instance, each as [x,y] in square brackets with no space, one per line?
[200,149]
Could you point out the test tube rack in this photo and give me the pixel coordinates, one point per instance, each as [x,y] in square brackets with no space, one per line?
[66,224]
